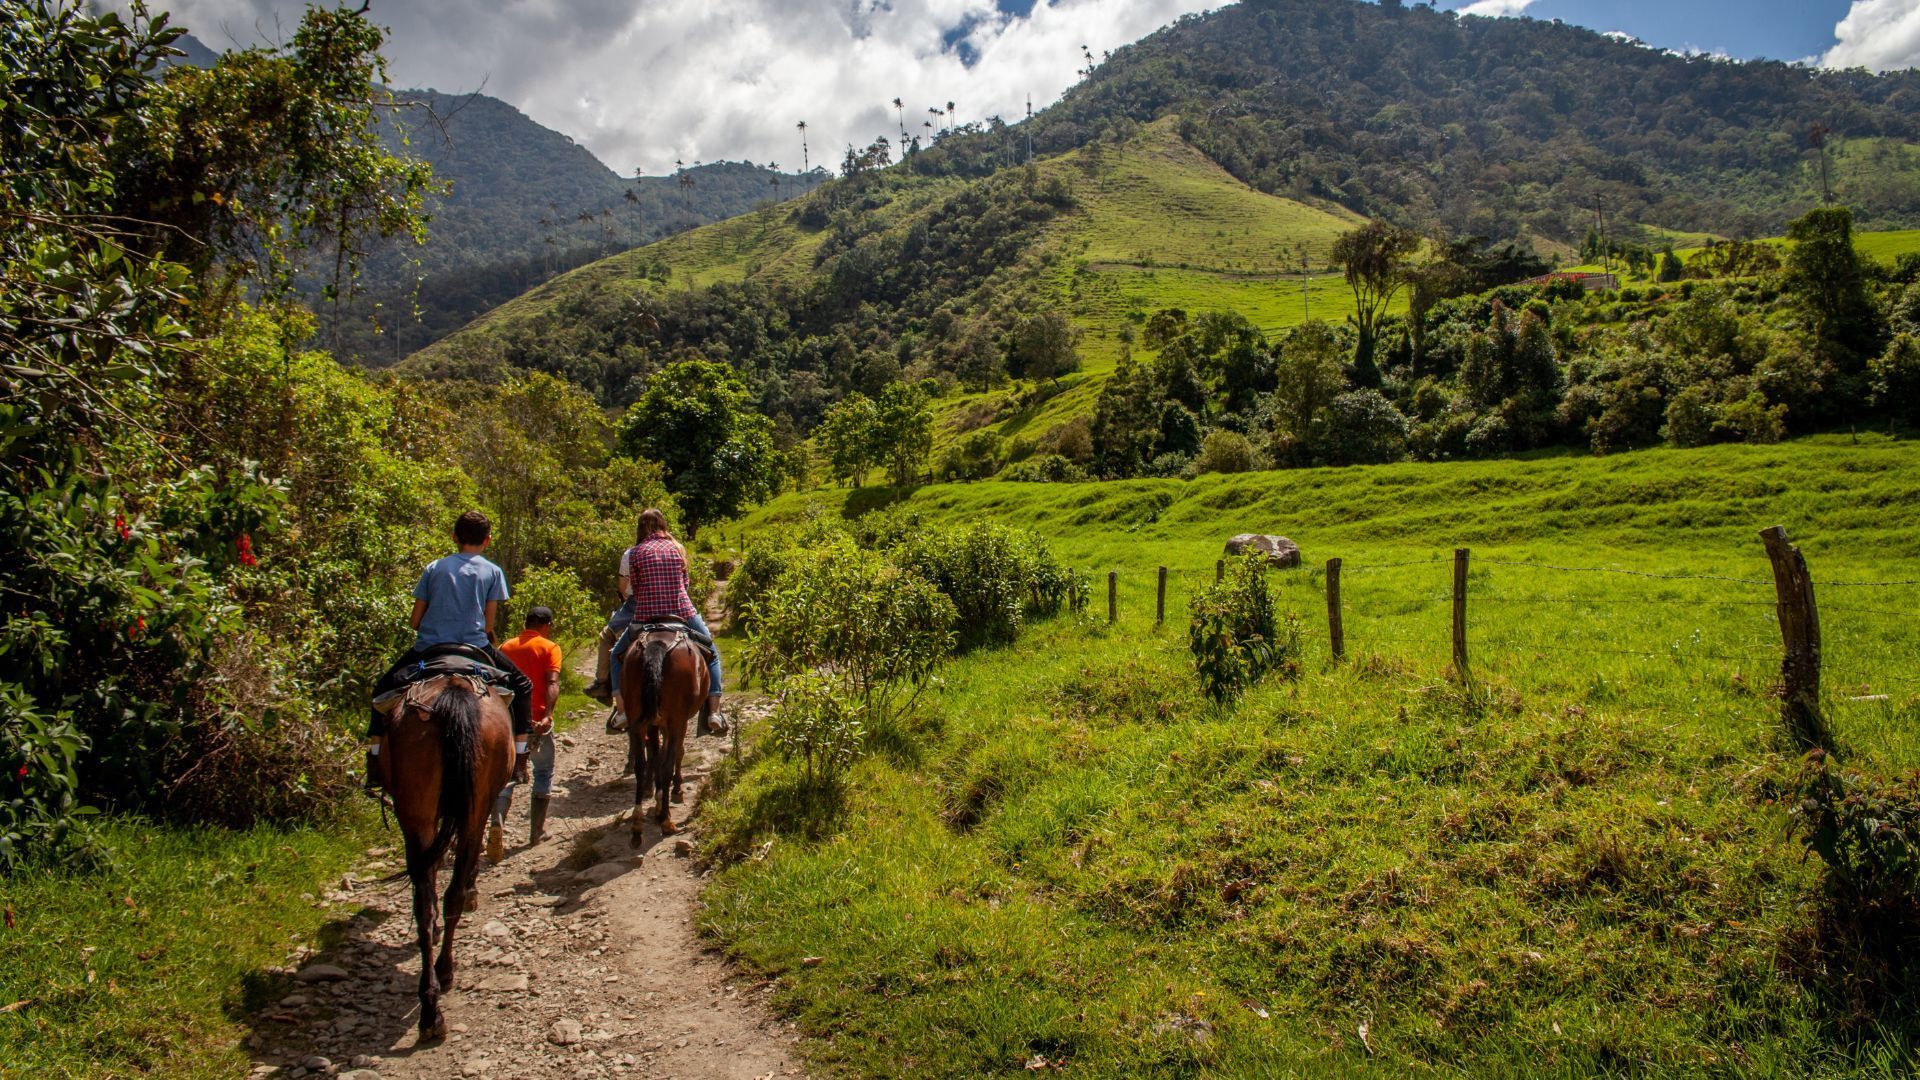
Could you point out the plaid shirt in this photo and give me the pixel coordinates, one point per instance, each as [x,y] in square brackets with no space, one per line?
[657,572]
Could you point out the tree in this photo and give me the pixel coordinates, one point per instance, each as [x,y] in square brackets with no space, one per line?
[903,430]
[1827,276]
[697,421]
[1307,378]
[846,437]
[1375,257]
[1043,346]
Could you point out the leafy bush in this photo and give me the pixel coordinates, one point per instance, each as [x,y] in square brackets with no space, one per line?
[576,614]
[1237,635]
[995,576]
[881,630]
[1224,452]
[813,721]
[1045,469]
[1866,830]
[975,457]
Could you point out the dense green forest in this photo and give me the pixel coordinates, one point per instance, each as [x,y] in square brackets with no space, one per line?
[215,526]
[1491,126]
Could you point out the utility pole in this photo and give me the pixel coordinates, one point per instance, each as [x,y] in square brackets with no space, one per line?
[1029,129]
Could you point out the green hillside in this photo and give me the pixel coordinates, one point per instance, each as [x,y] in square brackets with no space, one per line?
[524,203]
[1583,868]
[1152,224]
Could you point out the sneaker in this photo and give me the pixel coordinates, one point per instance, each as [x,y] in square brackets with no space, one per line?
[616,721]
[717,724]
[601,692]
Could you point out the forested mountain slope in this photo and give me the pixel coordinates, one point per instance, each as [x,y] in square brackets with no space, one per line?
[525,203]
[892,274]
[1501,127]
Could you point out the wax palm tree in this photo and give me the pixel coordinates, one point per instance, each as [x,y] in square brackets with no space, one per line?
[900,107]
[806,162]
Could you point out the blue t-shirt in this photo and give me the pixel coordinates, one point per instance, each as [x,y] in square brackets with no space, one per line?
[457,589]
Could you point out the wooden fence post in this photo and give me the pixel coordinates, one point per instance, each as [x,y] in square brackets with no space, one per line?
[1113,596]
[1336,634]
[1160,604]
[1800,636]
[1219,571]
[1460,614]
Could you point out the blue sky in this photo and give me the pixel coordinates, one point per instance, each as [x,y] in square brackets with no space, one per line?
[1778,29]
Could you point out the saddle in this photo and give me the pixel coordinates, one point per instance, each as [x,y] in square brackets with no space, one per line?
[462,661]
[642,630]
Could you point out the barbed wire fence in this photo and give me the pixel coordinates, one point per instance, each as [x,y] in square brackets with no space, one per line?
[1774,638]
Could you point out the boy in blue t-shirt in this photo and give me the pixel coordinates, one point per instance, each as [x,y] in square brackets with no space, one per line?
[455,602]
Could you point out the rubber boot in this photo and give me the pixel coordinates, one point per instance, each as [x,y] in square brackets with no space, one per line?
[496,843]
[537,818]
[376,781]
[520,774]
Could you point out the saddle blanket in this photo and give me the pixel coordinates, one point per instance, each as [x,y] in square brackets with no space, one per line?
[449,661]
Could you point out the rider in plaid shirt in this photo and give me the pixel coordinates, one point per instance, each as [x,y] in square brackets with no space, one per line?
[653,579]
[658,569]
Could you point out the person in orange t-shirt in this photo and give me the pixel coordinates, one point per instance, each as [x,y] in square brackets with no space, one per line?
[538,657]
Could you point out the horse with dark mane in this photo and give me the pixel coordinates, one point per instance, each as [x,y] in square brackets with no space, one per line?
[663,685]
[449,752]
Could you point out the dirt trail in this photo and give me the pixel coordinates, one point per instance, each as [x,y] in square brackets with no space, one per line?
[581,962]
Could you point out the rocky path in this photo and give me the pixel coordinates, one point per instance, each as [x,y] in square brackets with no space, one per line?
[581,962]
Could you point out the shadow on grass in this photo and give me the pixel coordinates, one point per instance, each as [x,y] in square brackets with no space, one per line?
[865,500]
[791,807]
[1859,958]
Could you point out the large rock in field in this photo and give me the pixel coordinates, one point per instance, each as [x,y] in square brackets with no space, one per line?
[1279,550]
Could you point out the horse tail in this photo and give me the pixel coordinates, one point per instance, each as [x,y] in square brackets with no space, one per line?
[656,660]
[457,713]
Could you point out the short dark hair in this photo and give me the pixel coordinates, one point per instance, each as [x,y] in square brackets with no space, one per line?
[472,528]
[651,521]
[539,615]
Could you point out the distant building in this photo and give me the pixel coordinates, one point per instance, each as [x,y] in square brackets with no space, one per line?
[1587,281]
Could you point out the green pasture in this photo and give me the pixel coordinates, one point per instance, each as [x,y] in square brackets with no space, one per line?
[153,965]
[1580,866]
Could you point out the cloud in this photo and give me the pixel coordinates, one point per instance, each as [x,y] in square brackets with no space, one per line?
[643,83]
[1880,35]
[1496,9]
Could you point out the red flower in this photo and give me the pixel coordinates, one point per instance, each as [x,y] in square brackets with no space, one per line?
[139,626]
[120,526]
[22,774]
[245,546]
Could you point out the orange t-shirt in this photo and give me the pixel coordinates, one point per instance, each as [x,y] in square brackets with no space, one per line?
[537,656]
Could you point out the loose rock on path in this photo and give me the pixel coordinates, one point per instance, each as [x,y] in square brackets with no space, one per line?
[582,960]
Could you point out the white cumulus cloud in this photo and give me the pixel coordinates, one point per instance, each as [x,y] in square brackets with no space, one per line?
[1880,35]
[1496,9]
[643,83]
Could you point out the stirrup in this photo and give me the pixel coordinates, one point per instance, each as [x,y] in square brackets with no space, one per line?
[616,721]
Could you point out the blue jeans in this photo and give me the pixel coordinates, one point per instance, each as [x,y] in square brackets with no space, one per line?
[623,619]
[540,756]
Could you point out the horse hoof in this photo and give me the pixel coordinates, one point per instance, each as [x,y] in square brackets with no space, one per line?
[677,797]
[433,1032]
[636,838]
[667,827]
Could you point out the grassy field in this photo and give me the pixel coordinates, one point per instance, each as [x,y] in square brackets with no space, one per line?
[152,966]
[1581,868]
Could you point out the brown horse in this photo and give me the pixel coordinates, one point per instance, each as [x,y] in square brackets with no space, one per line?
[663,684]
[449,752]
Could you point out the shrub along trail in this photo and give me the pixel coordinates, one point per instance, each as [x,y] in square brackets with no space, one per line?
[582,960]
